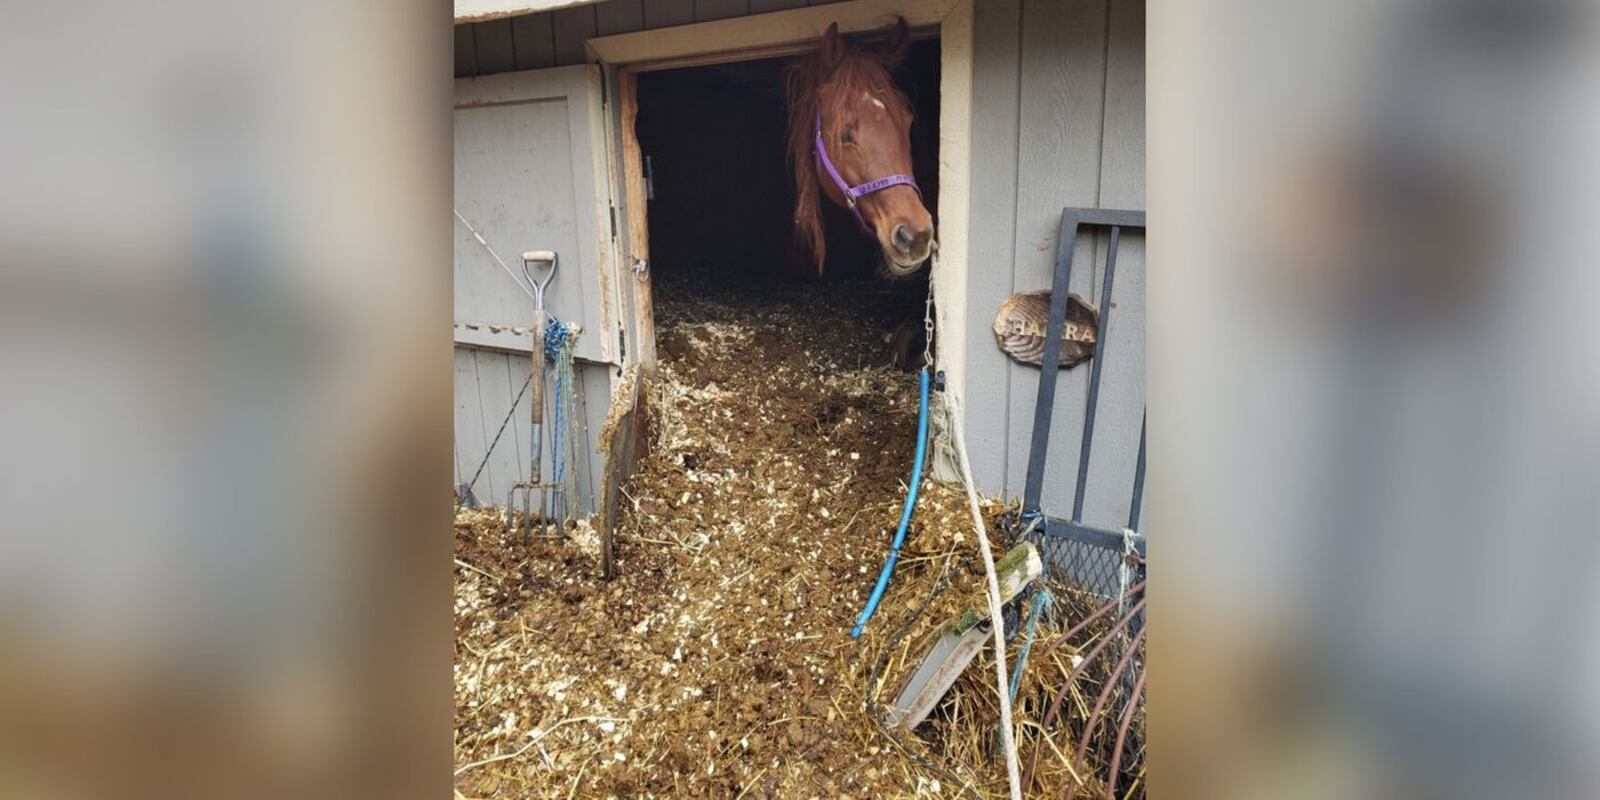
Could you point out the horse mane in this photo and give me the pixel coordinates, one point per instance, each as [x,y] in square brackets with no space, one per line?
[859,71]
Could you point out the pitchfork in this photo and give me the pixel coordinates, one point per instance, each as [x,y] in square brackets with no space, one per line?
[551,496]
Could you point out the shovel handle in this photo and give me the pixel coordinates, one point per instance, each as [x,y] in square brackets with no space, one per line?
[536,391]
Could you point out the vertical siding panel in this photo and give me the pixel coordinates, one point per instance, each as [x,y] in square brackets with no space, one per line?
[535,40]
[619,16]
[516,369]
[466,52]
[469,422]
[573,26]
[593,403]
[991,228]
[1062,89]
[1122,385]
[518,366]
[664,13]
[489,489]
[706,10]
[495,48]
[764,6]
[495,403]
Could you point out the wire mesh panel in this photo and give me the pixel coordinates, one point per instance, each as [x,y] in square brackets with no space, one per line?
[1089,567]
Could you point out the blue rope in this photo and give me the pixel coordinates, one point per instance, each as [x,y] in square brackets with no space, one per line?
[1041,604]
[905,515]
[558,338]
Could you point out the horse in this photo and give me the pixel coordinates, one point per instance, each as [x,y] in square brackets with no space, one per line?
[849,140]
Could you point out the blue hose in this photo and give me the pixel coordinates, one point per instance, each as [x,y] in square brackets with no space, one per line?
[905,516]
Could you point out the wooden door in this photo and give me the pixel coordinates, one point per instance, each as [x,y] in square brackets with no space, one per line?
[530,174]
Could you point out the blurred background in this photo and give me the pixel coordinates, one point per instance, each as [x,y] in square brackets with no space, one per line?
[225,398]
[1374,367]
[224,297]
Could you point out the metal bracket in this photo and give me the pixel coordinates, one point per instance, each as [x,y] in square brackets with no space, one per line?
[640,268]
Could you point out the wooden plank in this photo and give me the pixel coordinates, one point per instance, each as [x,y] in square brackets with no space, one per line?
[516,371]
[622,441]
[535,39]
[665,13]
[1062,91]
[960,641]
[619,16]
[952,308]
[466,52]
[483,10]
[799,25]
[469,424]
[996,66]
[573,27]
[764,6]
[593,401]
[1114,456]
[707,10]
[505,462]
[638,240]
[496,52]
[456,477]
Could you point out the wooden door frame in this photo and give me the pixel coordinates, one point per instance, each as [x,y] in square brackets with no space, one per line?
[790,32]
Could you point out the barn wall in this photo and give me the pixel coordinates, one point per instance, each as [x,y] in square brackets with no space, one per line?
[555,38]
[1058,120]
[486,383]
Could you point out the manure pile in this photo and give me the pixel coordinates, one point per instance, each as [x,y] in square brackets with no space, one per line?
[718,662]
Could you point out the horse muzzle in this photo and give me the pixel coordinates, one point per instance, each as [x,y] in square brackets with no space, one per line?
[908,246]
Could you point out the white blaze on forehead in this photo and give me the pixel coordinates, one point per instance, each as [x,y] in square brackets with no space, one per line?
[875,101]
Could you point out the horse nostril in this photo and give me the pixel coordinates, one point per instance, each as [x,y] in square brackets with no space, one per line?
[903,238]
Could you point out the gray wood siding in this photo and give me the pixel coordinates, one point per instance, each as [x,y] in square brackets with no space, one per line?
[556,38]
[1058,120]
[486,383]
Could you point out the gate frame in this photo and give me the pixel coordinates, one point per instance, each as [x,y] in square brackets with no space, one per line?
[1072,221]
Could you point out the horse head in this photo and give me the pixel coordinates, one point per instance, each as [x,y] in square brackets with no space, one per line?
[850,141]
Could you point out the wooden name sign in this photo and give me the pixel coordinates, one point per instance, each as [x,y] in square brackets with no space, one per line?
[1020,324]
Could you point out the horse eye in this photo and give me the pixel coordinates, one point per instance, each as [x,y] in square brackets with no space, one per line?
[847,138]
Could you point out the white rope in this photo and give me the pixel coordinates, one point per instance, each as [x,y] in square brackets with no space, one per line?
[1007,737]
[492,253]
[1124,569]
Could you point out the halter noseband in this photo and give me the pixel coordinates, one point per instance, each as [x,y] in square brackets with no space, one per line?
[853,192]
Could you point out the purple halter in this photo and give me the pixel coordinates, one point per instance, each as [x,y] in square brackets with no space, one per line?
[853,192]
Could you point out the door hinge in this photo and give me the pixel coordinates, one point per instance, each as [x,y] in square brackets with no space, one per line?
[622,348]
[613,223]
[603,82]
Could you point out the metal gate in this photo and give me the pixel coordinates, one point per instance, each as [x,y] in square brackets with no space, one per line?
[1108,564]
[1098,560]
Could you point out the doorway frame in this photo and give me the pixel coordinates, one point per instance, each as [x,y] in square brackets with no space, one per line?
[623,56]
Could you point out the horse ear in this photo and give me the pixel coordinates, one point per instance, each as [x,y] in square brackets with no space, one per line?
[898,44]
[833,49]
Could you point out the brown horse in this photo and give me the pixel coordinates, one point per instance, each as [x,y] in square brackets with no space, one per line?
[846,100]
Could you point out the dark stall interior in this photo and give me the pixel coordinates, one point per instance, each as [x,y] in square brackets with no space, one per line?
[721,193]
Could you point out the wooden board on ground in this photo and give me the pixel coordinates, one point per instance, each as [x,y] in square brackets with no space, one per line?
[623,440]
[959,642]
[1019,327]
